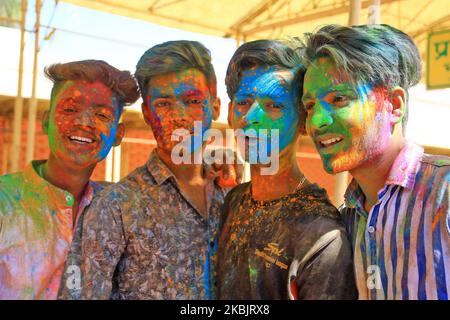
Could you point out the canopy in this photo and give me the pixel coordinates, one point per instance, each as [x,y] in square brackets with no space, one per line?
[256,19]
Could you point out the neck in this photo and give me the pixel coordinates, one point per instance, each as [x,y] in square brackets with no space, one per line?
[184,173]
[73,180]
[284,182]
[372,176]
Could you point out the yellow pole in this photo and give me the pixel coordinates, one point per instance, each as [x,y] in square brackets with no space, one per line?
[33,103]
[355,8]
[18,103]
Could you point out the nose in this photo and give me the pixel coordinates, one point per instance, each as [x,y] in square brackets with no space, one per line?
[86,118]
[321,117]
[253,115]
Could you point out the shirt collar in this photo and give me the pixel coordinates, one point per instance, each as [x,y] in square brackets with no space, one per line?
[63,197]
[403,173]
[406,165]
[157,168]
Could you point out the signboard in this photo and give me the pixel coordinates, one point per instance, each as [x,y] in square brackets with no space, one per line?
[438,60]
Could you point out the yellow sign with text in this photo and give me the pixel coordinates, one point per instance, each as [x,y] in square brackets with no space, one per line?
[438,60]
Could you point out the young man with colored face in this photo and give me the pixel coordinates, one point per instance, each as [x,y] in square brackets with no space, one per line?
[152,235]
[280,236]
[40,207]
[396,208]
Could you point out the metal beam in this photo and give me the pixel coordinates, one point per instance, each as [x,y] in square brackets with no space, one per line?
[310,17]
[253,13]
[430,26]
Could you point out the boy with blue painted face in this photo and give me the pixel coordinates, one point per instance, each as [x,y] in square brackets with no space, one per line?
[40,207]
[280,236]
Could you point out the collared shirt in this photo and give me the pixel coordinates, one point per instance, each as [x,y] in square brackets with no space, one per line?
[143,239]
[36,230]
[402,246]
[293,247]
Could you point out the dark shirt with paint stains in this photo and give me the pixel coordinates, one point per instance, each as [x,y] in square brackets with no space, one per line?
[293,247]
[142,239]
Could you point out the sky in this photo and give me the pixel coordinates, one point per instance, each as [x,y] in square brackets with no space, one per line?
[87,34]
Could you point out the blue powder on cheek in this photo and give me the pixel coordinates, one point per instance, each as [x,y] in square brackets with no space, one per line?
[108,141]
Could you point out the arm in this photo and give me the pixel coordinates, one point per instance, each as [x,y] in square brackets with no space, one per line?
[326,270]
[103,242]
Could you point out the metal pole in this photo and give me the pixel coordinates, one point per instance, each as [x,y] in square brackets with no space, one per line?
[374,12]
[18,104]
[340,187]
[33,103]
[355,8]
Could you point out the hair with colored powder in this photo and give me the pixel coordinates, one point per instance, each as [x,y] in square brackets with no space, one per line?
[120,82]
[174,56]
[277,53]
[378,55]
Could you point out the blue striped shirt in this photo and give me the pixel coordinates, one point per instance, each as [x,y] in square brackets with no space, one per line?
[401,248]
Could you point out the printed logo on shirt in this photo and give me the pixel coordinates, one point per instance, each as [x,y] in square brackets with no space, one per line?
[271,254]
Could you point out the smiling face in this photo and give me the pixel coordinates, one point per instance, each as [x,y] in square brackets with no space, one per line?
[264,100]
[175,101]
[349,124]
[83,122]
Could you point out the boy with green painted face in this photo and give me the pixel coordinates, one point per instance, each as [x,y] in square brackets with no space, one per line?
[396,208]
[40,207]
[280,236]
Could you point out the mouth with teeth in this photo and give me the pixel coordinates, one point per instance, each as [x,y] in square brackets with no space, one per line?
[81,140]
[327,142]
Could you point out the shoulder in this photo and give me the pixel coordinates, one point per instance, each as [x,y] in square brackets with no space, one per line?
[236,194]
[11,189]
[126,190]
[433,177]
[314,201]
[435,167]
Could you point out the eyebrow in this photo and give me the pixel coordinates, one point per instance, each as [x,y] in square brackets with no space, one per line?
[104,106]
[165,96]
[191,93]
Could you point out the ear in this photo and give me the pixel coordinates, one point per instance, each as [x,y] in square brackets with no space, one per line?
[216,108]
[146,112]
[45,120]
[230,112]
[119,134]
[397,99]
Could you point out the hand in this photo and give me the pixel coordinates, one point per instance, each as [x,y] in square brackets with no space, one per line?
[216,166]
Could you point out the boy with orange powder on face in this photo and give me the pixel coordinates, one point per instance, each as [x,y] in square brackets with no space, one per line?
[153,234]
[41,206]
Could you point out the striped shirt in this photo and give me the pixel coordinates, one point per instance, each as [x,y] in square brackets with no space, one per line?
[401,247]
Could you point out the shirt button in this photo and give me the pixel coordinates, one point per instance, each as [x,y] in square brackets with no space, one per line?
[69,200]
[371,229]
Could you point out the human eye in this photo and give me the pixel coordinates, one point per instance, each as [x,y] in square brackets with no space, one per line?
[103,116]
[194,101]
[308,106]
[243,103]
[68,106]
[274,105]
[341,99]
[160,103]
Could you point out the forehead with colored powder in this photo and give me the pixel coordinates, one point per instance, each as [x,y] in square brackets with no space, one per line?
[323,76]
[265,81]
[84,93]
[177,83]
